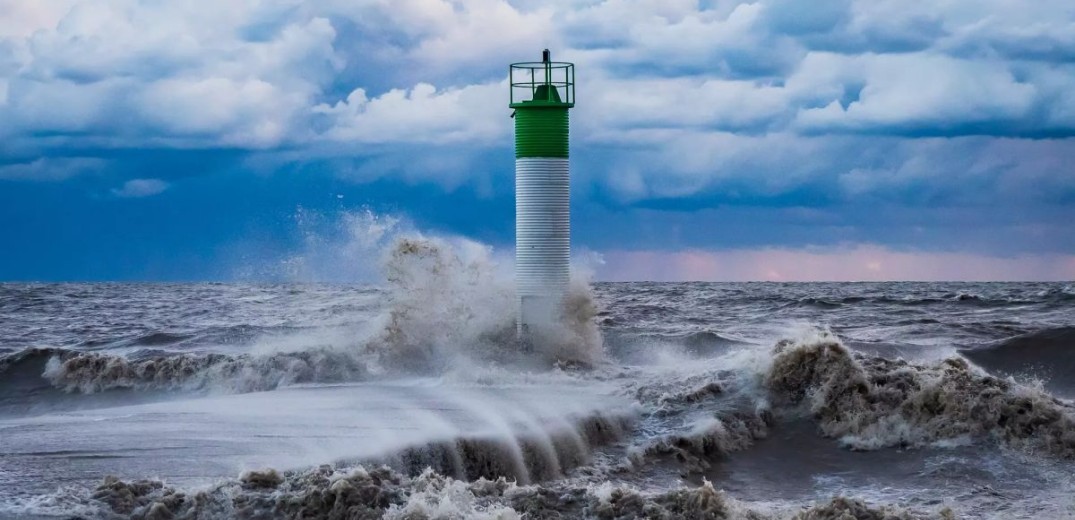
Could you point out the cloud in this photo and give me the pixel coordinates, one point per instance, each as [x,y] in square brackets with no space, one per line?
[260,75]
[138,188]
[419,115]
[21,19]
[620,104]
[708,167]
[51,169]
[922,95]
[129,74]
[441,37]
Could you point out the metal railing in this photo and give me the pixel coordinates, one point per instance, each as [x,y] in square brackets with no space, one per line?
[528,78]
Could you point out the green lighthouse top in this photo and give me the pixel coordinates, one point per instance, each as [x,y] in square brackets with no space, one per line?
[542,84]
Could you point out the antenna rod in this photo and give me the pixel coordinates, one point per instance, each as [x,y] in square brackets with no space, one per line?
[546,58]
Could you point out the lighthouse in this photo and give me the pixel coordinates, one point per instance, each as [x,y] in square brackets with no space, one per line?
[541,95]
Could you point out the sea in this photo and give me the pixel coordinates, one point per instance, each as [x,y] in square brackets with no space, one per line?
[410,397]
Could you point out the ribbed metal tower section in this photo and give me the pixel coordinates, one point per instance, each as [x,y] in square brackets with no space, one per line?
[542,214]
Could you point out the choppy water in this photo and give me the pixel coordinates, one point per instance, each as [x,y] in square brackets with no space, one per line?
[732,400]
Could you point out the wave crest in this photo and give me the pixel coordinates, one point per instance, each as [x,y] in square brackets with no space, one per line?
[90,372]
[872,402]
[327,492]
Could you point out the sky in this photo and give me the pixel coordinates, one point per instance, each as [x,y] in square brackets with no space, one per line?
[711,140]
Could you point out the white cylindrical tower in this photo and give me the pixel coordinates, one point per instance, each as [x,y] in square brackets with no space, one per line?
[541,95]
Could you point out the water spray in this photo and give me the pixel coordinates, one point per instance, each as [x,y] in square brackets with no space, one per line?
[541,95]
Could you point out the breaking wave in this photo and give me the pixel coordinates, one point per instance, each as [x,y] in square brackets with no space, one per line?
[872,402]
[865,402]
[90,372]
[534,457]
[380,492]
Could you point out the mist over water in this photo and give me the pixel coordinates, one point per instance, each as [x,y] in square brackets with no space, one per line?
[406,394]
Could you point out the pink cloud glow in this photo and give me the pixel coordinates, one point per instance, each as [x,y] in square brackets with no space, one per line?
[846,263]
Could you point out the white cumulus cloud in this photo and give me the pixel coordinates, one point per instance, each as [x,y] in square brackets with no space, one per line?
[137,188]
